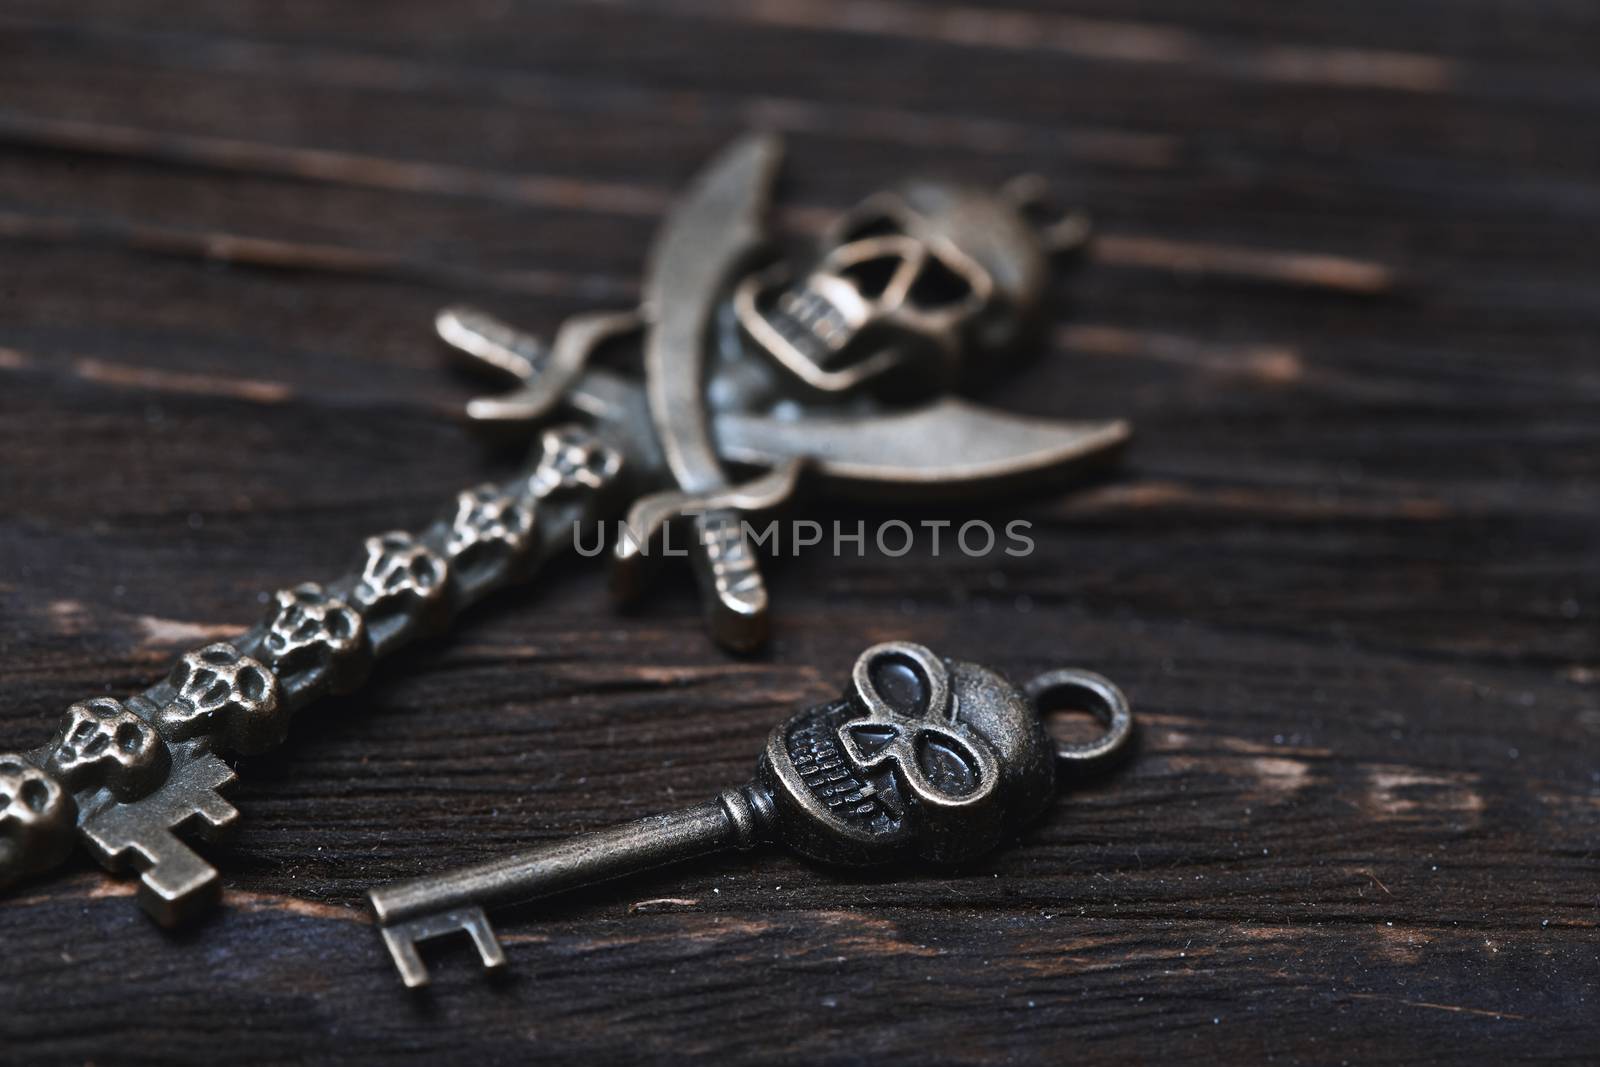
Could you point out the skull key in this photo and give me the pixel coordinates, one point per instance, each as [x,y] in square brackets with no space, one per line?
[921,757]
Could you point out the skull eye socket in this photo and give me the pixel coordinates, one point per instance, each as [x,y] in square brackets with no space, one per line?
[340,625]
[129,737]
[218,657]
[872,276]
[900,683]
[947,764]
[35,795]
[253,684]
[937,286]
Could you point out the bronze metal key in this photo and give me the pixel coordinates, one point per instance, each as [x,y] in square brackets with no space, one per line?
[921,756]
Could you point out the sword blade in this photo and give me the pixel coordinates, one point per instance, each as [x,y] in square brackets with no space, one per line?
[713,231]
[945,448]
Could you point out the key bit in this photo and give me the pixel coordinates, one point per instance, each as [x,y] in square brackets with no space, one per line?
[175,882]
[920,757]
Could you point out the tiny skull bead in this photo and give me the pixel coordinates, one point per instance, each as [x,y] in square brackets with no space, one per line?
[314,637]
[103,742]
[228,695]
[37,817]
[573,458]
[307,618]
[402,590]
[489,517]
[399,566]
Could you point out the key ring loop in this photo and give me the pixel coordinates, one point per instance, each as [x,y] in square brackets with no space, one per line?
[1099,696]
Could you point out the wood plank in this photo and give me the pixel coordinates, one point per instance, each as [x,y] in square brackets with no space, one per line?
[1349,574]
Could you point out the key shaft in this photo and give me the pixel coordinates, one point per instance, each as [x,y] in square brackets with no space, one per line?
[433,905]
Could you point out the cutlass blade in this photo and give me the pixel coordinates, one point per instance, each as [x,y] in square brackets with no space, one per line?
[946,448]
[714,231]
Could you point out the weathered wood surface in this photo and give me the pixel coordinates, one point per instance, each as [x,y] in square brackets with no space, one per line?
[1350,574]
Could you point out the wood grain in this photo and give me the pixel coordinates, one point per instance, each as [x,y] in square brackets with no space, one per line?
[1349,575]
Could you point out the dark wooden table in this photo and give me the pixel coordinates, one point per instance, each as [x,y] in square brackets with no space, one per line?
[1346,288]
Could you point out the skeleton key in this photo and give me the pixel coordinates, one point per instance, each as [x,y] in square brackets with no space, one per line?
[755,373]
[921,756]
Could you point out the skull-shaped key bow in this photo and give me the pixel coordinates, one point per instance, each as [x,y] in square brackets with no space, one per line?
[921,756]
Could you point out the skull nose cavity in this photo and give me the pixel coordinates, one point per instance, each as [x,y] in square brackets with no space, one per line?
[900,683]
[871,740]
[871,277]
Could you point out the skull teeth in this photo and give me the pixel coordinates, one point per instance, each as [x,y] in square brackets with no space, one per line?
[815,753]
[811,324]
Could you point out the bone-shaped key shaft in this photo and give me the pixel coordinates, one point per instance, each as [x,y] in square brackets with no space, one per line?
[130,775]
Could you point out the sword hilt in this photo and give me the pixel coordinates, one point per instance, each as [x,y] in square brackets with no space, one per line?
[733,593]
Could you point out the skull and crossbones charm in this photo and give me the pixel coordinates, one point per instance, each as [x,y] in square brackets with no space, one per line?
[761,376]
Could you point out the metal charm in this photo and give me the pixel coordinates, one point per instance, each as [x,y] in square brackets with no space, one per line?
[921,756]
[757,376]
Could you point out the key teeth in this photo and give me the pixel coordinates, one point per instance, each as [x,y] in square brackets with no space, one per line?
[403,948]
[476,924]
[175,883]
[402,938]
